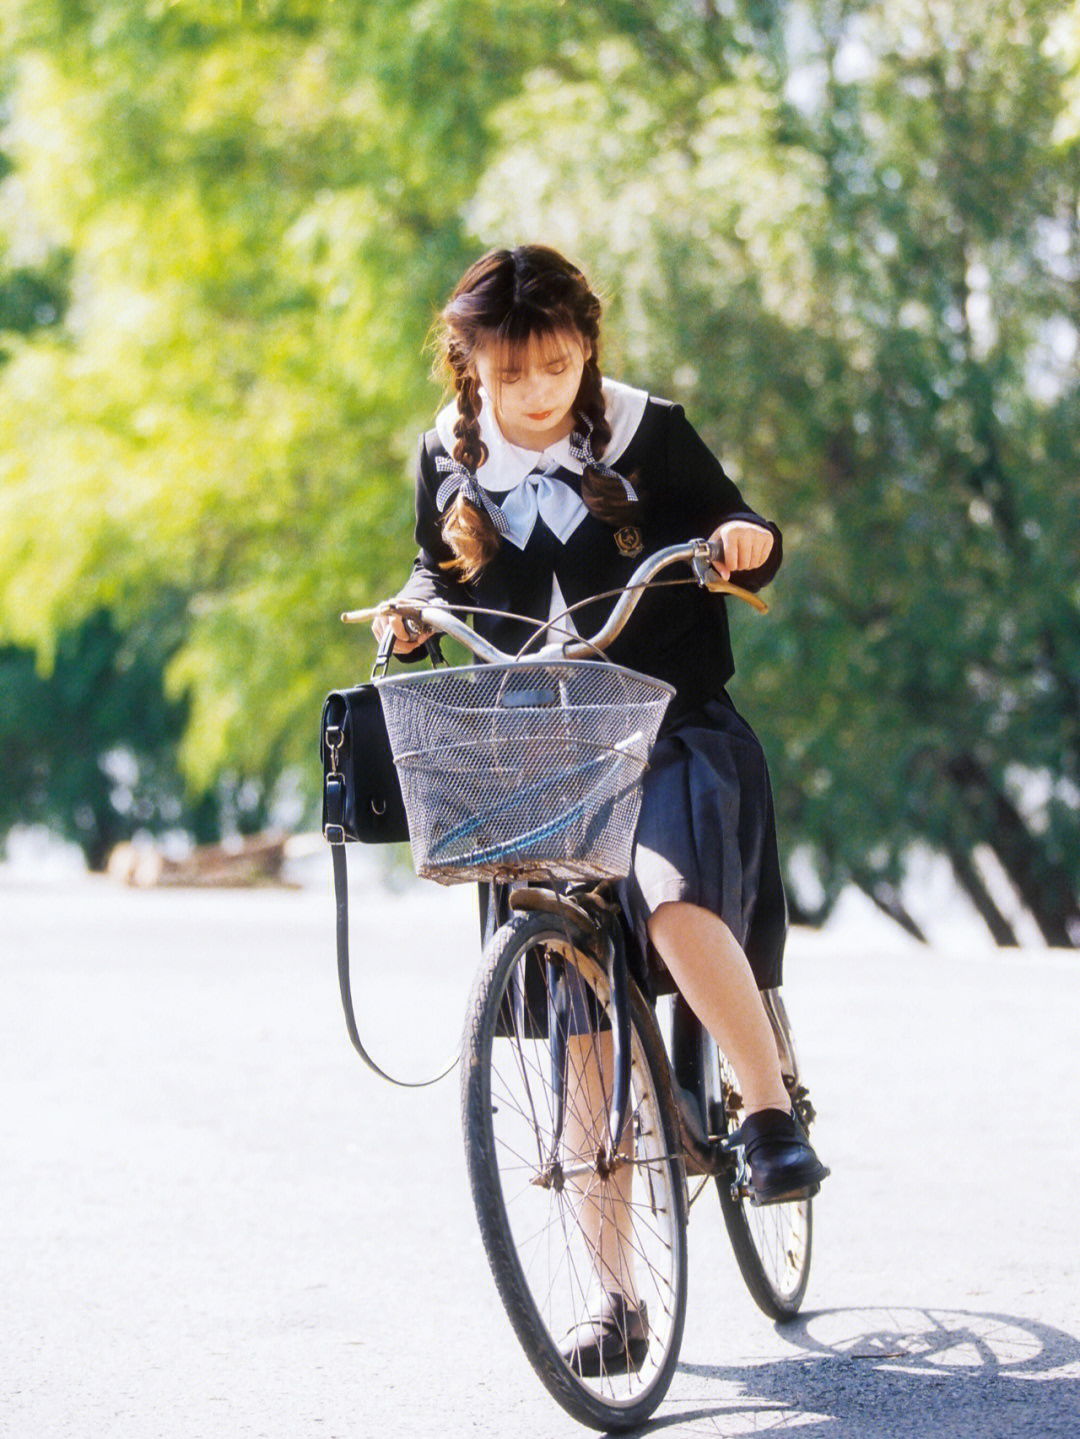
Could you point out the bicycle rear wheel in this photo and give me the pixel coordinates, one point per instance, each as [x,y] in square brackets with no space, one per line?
[772,1242]
[538,1182]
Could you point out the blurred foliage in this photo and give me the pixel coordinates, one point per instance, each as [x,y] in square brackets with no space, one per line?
[90,751]
[845,234]
[853,252]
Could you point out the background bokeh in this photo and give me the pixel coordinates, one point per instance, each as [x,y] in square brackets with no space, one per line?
[845,234]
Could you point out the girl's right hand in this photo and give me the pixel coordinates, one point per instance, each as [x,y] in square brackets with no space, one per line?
[404,641]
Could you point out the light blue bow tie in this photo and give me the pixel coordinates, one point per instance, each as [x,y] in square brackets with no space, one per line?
[545,493]
[542,493]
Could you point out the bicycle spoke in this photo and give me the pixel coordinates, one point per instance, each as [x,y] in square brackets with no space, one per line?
[522,1162]
[577,1227]
[520,1057]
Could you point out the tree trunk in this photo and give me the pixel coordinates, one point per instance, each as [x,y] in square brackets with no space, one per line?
[971,883]
[887,898]
[1044,886]
[812,918]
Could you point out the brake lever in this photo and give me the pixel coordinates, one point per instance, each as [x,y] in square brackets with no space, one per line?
[705,555]
[702,565]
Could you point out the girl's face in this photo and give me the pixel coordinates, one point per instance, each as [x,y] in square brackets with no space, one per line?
[533,387]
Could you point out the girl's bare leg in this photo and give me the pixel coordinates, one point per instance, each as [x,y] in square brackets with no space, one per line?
[602,1205]
[713,974]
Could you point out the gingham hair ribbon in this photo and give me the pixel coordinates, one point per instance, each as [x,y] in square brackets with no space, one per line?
[581,449]
[459,478]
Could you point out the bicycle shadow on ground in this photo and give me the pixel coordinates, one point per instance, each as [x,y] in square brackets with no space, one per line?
[883,1373]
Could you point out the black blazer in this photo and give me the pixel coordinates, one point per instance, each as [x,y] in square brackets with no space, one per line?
[679,635]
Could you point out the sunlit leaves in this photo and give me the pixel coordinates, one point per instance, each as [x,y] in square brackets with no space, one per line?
[844,234]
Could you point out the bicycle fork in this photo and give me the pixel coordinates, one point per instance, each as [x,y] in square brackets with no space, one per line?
[565,1003]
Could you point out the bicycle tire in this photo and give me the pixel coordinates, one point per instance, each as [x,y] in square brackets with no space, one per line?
[773,1243]
[531,1234]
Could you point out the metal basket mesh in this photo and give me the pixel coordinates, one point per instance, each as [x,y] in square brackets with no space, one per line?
[522,770]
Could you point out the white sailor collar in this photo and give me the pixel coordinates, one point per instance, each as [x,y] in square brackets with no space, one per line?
[507,465]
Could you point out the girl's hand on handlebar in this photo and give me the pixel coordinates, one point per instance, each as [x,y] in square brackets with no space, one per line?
[742,546]
[407,636]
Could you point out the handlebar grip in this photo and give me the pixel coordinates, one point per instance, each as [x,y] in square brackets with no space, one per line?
[407,611]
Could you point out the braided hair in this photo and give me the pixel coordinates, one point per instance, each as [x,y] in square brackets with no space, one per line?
[512,297]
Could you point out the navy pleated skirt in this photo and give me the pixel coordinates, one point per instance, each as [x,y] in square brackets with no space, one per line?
[707,836]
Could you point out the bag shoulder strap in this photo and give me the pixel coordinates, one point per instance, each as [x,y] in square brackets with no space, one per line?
[341,899]
[341,896]
[432,646]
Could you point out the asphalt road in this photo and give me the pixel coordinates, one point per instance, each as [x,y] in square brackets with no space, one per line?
[215,1223]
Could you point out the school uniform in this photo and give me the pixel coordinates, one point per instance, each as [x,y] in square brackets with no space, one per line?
[706,833]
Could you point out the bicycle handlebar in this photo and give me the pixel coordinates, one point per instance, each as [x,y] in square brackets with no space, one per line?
[438,617]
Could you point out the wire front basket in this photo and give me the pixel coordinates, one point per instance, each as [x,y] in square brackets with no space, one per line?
[522,770]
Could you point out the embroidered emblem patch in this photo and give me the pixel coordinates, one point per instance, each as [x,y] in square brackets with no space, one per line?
[628,540]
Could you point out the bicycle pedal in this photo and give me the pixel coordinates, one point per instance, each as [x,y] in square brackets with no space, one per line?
[806,1191]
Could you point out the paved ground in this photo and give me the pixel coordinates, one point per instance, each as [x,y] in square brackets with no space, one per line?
[215,1223]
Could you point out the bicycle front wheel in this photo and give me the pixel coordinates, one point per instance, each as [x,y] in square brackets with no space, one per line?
[560,1223]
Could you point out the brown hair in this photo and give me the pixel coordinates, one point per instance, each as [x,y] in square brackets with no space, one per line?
[510,297]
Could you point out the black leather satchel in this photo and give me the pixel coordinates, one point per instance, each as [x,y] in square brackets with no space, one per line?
[361,801]
[361,794]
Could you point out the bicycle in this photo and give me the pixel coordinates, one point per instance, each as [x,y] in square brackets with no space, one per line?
[582,1119]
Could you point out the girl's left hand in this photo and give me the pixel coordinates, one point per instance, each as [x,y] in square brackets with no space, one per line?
[744,547]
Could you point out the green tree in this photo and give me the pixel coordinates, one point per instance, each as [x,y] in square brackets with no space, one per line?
[851,247]
[263,206]
[844,233]
[89,750]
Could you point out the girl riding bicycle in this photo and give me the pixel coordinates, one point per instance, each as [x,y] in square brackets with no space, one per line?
[544,484]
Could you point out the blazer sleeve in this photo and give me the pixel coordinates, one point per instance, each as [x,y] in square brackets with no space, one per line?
[701,491]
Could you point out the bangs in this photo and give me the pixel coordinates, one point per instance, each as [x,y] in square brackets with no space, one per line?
[516,341]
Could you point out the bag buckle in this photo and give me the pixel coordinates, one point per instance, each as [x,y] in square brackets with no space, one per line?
[334,740]
[334,834]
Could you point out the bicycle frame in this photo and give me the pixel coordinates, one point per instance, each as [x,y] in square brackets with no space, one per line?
[606,940]
[689,1052]
[440,617]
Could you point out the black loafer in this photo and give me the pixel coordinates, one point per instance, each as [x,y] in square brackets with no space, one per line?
[781,1159]
[614,1339]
